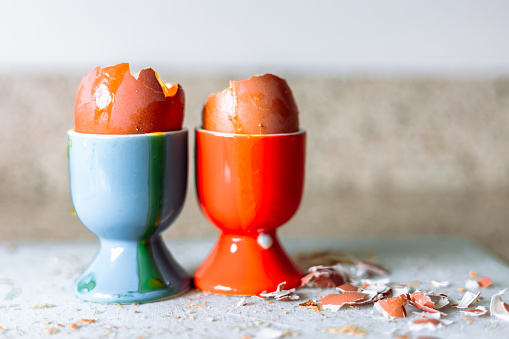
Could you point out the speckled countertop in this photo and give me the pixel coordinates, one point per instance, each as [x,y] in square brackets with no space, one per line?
[36,298]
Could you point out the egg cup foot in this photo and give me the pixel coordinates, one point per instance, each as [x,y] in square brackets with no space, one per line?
[247,265]
[128,272]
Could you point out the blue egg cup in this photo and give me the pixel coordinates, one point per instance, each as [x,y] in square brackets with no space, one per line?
[127,189]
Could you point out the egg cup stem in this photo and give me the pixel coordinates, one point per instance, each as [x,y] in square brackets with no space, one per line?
[255,263]
[157,274]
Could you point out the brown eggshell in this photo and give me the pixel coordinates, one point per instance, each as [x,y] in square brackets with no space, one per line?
[434,322]
[348,288]
[484,282]
[421,298]
[259,105]
[343,298]
[112,101]
[395,307]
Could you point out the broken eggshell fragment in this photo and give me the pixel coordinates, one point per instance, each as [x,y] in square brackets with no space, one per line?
[335,301]
[281,294]
[427,324]
[392,307]
[429,303]
[111,101]
[259,105]
[479,311]
[324,276]
[484,282]
[498,308]
[468,298]
[348,288]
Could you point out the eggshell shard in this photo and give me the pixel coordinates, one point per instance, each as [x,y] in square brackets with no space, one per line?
[468,298]
[479,311]
[433,322]
[485,282]
[439,284]
[427,324]
[259,105]
[400,290]
[422,299]
[324,276]
[392,307]
[498,308]
[348,288]
[111,101]
[343,298]
[281,294]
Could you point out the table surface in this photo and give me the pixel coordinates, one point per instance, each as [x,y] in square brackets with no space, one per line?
[36,298]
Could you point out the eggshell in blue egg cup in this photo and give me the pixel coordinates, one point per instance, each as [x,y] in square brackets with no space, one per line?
[127,189]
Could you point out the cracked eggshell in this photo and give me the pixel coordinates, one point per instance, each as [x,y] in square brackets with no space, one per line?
[259,105]
[342,298]
[498,308]
[111,101]
[392,307]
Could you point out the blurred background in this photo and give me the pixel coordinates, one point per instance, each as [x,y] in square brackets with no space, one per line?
[406,105]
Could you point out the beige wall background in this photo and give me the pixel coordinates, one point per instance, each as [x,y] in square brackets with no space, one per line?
[407,110]
[385,157]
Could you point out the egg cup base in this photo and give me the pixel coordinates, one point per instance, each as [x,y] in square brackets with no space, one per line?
[127,272]
[247,265]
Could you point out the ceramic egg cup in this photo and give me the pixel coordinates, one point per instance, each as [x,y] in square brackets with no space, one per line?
[127,189]
[248,186]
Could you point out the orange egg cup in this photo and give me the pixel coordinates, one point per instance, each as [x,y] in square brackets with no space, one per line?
[248,186]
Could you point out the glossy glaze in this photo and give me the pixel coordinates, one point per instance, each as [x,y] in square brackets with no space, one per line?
[127,189]
[259,105]
[111,101]
[248,186]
